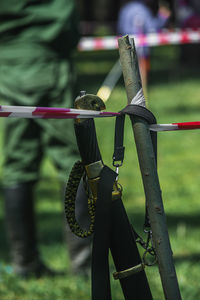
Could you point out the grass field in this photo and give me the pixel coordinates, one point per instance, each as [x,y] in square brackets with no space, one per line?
[173,96]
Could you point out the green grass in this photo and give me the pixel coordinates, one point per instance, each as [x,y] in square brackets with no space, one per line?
[174,96]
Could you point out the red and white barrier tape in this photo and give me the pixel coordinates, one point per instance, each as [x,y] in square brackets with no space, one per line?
[50,112]
[141,40]
[70,113]
[175,126]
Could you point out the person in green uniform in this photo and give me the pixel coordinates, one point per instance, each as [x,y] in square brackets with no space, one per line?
[37,39]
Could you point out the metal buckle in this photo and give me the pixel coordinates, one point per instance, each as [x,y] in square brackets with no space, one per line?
[117,165]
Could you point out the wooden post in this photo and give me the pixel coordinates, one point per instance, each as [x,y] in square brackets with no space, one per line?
[149,174]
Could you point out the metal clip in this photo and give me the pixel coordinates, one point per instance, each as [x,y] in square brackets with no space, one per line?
[149,249]
[117,170]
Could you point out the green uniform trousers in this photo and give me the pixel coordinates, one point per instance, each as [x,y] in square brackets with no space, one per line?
[37,81]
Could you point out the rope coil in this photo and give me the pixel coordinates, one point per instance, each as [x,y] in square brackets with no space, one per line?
[75,176]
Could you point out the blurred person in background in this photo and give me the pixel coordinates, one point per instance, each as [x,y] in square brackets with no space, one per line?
[143,17]
[187,13]
[37,39]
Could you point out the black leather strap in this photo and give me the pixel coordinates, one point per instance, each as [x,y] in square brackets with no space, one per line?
[101,241]
[118,155]
[131,110]
[139,111]
[102,232]
[143,112]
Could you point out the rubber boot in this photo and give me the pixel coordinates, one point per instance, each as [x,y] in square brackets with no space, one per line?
[20,224]
[80,248]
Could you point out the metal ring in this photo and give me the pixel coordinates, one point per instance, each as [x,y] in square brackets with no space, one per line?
[145,260]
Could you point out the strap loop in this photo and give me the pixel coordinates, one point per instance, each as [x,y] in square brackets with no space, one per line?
[131,109]
[118,155]
[140,111]
[128,272]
